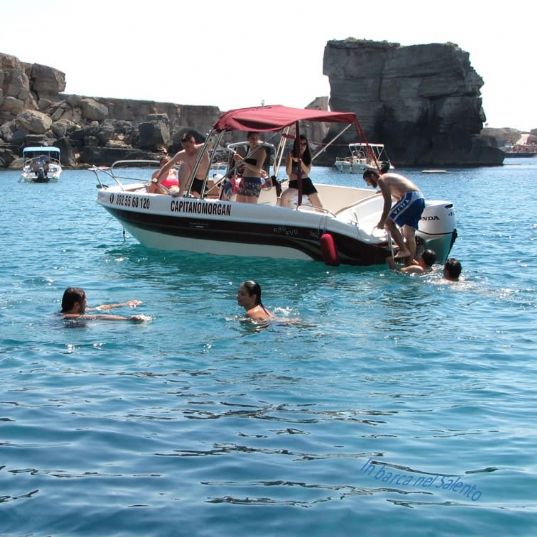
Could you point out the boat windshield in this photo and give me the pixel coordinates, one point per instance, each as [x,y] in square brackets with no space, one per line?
[33,152]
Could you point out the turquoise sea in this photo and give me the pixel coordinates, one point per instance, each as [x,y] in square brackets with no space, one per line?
[378,404]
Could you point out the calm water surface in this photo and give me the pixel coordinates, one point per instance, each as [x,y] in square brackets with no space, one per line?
[379,404]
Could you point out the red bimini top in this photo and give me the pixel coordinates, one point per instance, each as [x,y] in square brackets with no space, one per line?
[276,117]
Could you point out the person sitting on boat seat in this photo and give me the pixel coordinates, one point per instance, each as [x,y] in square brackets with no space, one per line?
[74,306]
[299,163]
[188,157]
[252,170]
[452,269]
[406,213]
[422,266]
[163,185]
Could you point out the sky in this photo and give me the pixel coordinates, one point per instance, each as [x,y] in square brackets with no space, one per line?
[246,53]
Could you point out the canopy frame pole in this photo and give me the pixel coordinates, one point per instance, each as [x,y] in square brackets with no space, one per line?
[279,151]
[216,144]
[199,157]
[323,149]
[296,153]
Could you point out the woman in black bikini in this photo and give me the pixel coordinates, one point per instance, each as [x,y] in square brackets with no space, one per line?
[293,165]
[252,163]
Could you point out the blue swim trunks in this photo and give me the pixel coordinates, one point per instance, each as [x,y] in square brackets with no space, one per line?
[407,211]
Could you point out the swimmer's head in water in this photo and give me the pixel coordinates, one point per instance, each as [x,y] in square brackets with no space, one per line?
[71,297]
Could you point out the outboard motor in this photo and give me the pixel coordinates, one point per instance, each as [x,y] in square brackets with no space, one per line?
[40,176]
[437,228]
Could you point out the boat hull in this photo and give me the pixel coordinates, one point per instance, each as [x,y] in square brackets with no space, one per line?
[520,154]
[351,167]
[29,176]
[230,228]
[240,229]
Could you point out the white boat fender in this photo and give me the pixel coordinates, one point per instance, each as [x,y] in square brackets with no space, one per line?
[329,250]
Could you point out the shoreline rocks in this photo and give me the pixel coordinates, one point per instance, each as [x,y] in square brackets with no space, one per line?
[88,130]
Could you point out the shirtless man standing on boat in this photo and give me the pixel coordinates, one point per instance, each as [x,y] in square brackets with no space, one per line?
[406,213]
[187,157]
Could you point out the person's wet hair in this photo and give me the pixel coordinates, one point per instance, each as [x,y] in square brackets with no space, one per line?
[429,256]
[71,296]
[253,288]
[453,268]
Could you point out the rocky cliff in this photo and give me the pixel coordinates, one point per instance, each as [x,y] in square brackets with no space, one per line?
[89,130]
[423,101]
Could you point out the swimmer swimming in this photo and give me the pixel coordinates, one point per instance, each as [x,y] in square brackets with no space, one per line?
[249,297]
[75,306]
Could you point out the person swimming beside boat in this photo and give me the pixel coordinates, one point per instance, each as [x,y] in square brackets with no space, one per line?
[406,212]
[249,297]
[188,157]
[74,306]
[252,164]
[296,165]
[423,265]
[452,269]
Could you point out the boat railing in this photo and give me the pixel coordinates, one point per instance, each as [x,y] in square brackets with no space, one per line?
[311,209]
[125,173]
[50,160]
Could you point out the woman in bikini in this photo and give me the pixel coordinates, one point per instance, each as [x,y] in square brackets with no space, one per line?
[252,163]
[301,164]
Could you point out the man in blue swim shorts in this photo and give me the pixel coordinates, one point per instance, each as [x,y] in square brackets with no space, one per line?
[406,213]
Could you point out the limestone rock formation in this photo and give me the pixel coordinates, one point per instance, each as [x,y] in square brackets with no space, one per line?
[422,101]
[34,121]
[90,130]
[15,93]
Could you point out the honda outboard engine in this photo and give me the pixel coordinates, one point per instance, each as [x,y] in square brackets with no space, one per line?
[437,228]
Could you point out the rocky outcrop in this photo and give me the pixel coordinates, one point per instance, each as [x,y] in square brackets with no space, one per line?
[507,136]
[89,130]
[317,132]
[15,93]
[501,137]
[423,101]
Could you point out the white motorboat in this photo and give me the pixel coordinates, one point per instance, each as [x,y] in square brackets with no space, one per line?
[41,164]
[362,156]
[344,231]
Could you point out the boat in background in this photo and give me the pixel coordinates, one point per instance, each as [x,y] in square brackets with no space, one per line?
[520,150]
[41,164]
[363,156]
[343,231]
